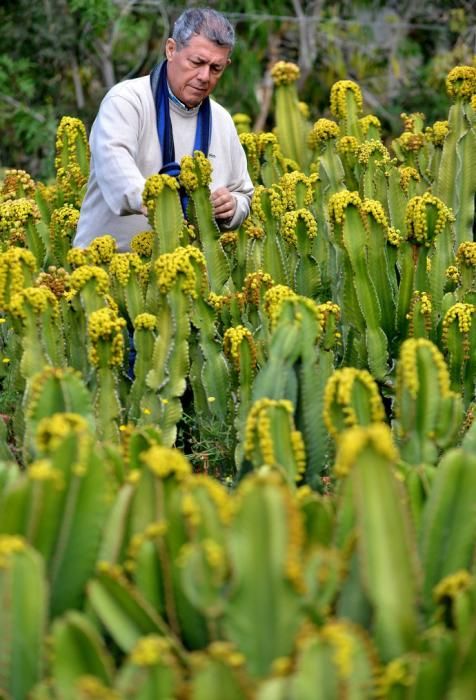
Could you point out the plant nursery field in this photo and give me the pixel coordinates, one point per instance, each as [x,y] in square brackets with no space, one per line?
[242,465]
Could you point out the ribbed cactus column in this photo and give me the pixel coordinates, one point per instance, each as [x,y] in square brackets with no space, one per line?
[169,365]
[427,412]
[164,212]
[346,105]
[106,354]
[37,310]
[263,610]
[456,180]
[291,125]
[361,307]
[24,610]
[366,456]
[195,177]
[18,226]
[71,161]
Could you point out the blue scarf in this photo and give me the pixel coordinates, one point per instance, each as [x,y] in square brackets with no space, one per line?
[160,90]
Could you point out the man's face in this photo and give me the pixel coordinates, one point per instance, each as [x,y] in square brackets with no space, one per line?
[194,70]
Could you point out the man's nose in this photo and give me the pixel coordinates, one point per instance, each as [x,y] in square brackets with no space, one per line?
[204,73]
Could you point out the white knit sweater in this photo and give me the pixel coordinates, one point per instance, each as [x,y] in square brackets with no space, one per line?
[125,150]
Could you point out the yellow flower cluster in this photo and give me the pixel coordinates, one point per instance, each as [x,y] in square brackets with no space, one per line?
[16,264]
[169,266]
[220,497]
[101,250]
[322,131]
[338,634]
[9,545]
[145,322]
[70,130]
[39,299]
[339,95]
[195,171]
[154,186]
[290,222]
[165,461]
[82,275]
[421,302]
[42,471]
[355,440]
[452,273]
[452,585]
[466,254]
[265,140]
[273,300]
[409,141]
[407,368]
[373,208]
[438,132]
[258,427]
[463,314]
[284,73]
[142,242]
[292,183]
[241,120]
[152,532]
[393,236]
[326,309]
[461,82]
[52,430]
[105,326]
[397,672]
[217,301]
[91,688]
[374,150]
[15,214]
[249,141]
[338,203]
[71,181]
[340,389]
[416,218]
[76,257]
[276,200]
[254,283]
[347,145]
[150,651]
[252,229]
[229,238]
[227,653]
[408,173]
[232,341]
[123,264]
[63,222]
[410,121]
[17,184]
[48,193]
[370,120]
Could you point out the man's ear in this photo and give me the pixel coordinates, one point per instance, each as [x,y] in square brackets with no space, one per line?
[170,48]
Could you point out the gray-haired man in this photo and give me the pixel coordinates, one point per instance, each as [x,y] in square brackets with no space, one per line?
[148,124]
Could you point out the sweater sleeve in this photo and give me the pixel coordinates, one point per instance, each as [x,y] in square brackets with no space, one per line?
[114,146]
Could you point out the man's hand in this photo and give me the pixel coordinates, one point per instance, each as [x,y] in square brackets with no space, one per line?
[223,203]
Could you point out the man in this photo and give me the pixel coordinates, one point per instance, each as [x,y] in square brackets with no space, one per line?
[146,125]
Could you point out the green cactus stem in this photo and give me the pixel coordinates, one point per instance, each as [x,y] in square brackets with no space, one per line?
[386,560]
[23,596]
[291,125]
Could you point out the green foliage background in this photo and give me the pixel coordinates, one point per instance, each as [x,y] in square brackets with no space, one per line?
[59,57]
